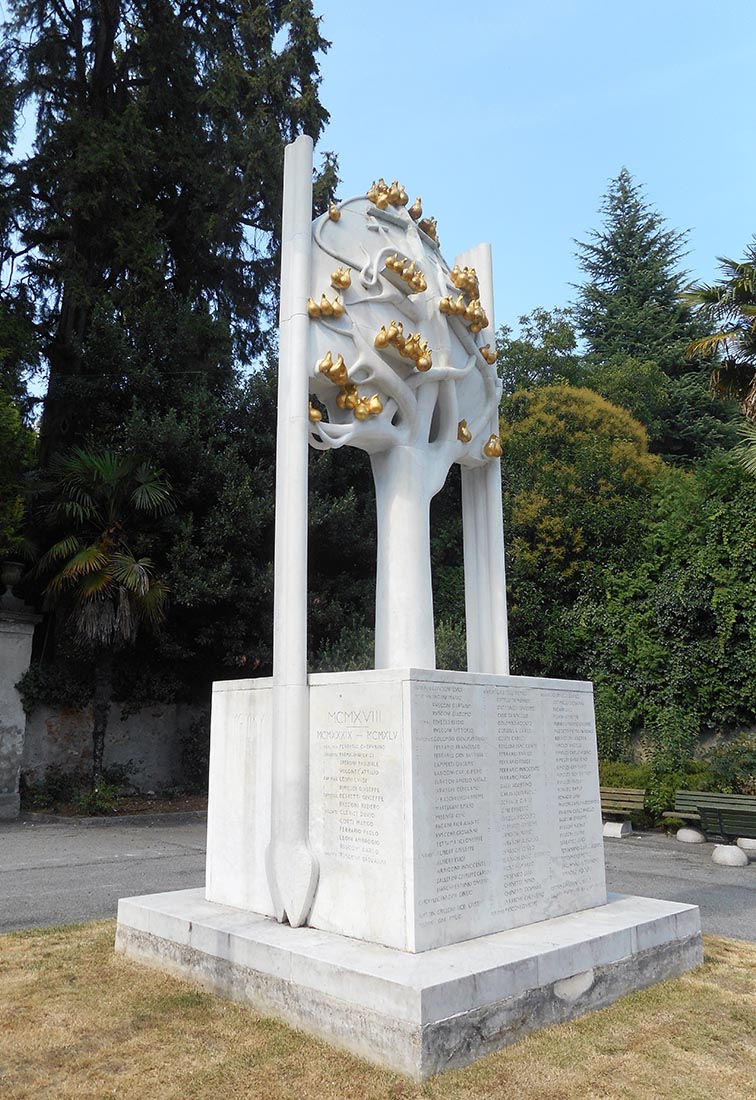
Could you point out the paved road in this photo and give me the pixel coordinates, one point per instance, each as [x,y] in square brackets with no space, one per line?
[58,873]
[658,866]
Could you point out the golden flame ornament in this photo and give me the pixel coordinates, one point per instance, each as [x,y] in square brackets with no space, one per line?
[314,414]
[429,226]
[341,278]
[463,432]
[492,448]
[333,212]
[408,271]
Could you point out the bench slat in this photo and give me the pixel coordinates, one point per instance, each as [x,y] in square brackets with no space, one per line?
[622,800]
[729,823]
[691,800]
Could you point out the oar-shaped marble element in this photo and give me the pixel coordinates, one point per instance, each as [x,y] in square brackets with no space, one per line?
[292,870]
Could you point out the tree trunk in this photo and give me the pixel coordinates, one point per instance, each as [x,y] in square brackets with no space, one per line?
[103,691]
[405,482]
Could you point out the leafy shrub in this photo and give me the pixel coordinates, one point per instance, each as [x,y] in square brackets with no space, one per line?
[613,724]
[352,651]
[660,786]
[60,788]
[673,733]
[451,646]
[733,764]
[101,801]
[616,774]
[55,685]
[56,789]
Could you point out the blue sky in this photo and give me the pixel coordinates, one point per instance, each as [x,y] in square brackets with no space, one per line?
[510,120]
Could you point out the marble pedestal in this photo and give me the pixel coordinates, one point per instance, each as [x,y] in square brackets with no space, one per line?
[461,900]
[418,1013]
[443,805]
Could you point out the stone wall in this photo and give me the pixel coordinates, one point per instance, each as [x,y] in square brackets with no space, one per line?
[149,740]
[16,629]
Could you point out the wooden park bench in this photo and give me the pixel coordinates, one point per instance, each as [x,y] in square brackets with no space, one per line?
[732,821]
[621,802]
[689,804]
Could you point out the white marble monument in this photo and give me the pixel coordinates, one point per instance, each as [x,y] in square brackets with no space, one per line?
[406,861]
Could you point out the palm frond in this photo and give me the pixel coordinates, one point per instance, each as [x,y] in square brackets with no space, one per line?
[60,551]
[745,452]
[132,573]
[152,493]
[707,344]
[79,588]
[154,604]
[87,560]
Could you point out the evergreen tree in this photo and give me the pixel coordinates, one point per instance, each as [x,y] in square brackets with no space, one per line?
[146,223]
[630,311]
[577,476]
[630,304]
[154,188]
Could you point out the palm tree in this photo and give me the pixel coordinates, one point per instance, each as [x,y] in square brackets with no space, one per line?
[95,500]
[729,308]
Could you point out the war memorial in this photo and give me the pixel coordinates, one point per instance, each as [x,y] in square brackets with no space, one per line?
[407,862]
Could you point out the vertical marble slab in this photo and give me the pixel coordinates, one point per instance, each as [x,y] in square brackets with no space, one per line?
[506,816]
[521,822]
[451,797]
[359,818]
[239,802]
[578,857]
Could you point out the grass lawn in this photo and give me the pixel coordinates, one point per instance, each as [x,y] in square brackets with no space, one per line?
[78,1022]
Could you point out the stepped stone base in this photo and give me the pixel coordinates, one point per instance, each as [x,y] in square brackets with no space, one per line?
[419,1013]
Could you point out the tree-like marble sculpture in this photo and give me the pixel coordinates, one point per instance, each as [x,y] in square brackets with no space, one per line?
[389,340]
[401,361]
[438,832]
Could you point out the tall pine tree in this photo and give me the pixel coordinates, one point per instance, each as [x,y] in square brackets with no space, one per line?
[631,314]
[153,191]
[630,304]
[145,234]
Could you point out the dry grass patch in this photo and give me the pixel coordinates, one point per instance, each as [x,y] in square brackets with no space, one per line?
[76,1021]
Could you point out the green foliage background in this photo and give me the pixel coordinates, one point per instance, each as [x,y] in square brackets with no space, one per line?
[139,247]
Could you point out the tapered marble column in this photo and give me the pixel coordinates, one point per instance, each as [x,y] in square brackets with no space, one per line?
[482,526]
[292,871]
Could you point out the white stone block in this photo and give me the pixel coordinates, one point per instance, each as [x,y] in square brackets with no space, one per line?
[618,829]
[748,845]
[418,1013]
[239,802]
[729,855]
[443,806]
[688,835]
